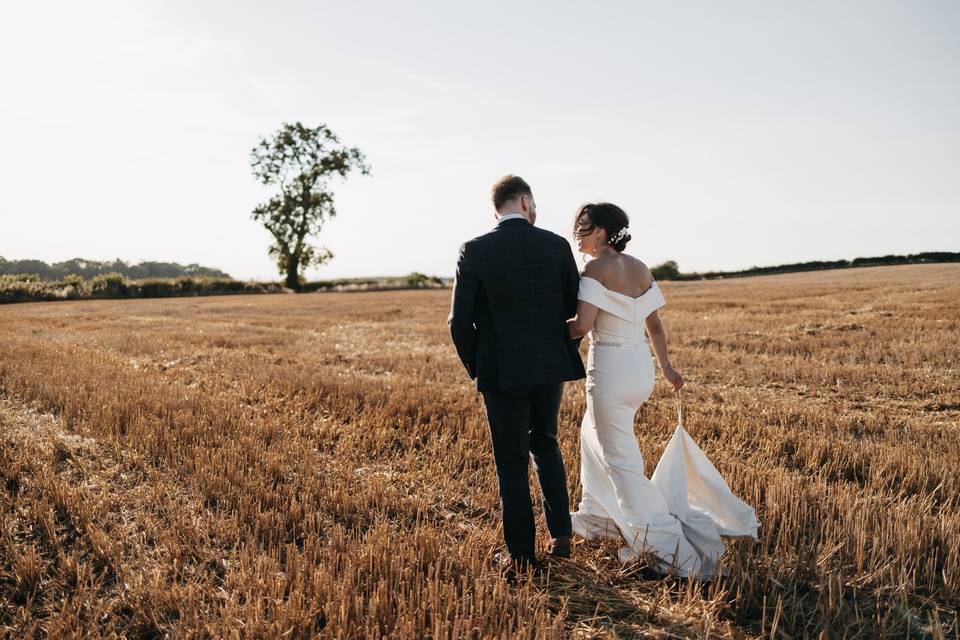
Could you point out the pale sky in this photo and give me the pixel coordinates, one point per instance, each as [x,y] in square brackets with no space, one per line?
[734,133]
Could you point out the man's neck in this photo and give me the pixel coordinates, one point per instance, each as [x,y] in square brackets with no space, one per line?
[510,216]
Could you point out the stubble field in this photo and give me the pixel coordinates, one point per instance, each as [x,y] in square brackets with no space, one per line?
[288,466]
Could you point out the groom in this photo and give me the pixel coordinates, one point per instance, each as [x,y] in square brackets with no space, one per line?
[515,288]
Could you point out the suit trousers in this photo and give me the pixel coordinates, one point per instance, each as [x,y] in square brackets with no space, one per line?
[523,425]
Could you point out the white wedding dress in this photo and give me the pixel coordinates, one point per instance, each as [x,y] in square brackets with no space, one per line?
[679,514]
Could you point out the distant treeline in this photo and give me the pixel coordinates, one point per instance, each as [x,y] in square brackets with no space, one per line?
[35,284]
[88,269]
[670,271]
[31,288]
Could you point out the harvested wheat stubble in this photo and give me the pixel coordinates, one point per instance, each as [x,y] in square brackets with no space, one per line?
[319,465]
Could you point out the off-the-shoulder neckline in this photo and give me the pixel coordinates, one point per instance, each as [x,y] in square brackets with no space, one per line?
[652,285]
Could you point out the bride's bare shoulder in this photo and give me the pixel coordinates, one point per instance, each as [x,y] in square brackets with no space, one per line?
[644,269]
[640,270]
[598,268]
[636,263]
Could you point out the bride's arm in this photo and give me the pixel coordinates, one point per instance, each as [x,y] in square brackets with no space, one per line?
[658,337]
[580,324]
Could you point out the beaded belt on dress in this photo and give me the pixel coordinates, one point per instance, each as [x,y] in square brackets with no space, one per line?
[608,343]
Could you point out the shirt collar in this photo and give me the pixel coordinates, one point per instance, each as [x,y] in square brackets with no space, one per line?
[511,216]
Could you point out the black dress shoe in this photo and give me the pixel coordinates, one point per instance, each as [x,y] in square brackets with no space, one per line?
[516,565]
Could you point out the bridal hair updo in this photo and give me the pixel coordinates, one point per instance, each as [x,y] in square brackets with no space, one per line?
[608,216]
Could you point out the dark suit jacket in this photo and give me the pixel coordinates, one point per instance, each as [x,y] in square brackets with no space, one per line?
[516,286]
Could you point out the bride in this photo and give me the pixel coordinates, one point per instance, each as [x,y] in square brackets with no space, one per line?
[680,513]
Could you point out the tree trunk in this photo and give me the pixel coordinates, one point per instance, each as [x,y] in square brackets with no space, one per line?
[293,278]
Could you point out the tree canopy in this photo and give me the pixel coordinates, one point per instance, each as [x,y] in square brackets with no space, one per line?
[300,162]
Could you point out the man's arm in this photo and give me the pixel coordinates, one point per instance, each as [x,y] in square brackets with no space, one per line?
[571,284]
[463,309]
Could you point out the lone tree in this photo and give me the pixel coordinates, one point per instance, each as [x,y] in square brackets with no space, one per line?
[301,161]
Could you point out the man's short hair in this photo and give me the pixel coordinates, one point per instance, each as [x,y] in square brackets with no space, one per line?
[507,188]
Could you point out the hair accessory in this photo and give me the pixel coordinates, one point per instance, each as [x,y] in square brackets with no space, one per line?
[618,236]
